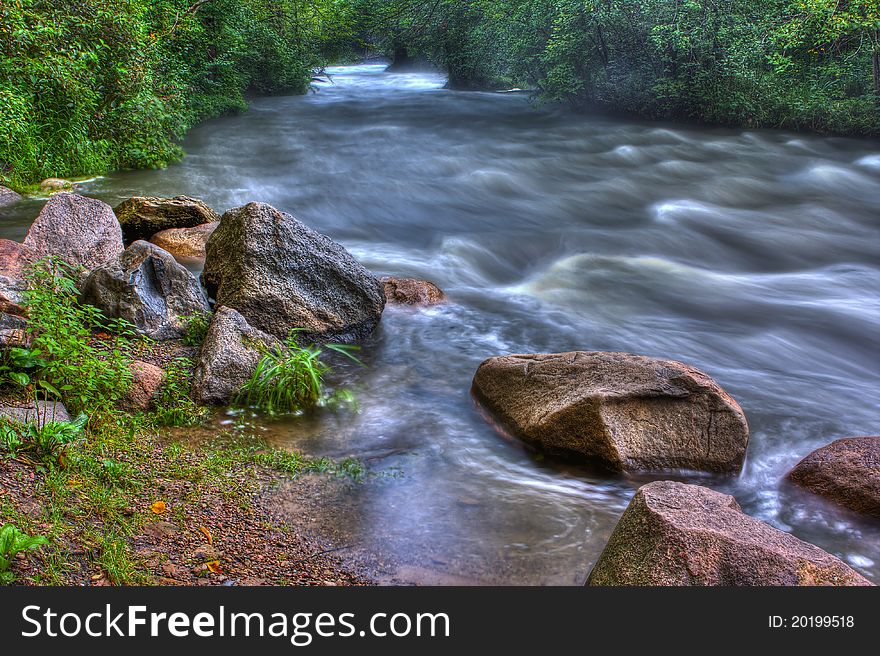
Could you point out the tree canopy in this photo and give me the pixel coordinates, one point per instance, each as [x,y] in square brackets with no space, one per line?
[93,85]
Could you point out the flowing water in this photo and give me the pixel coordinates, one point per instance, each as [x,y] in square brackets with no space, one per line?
[752,255]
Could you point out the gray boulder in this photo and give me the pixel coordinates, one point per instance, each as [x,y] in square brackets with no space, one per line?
[8,197]
[142,217]
[149,288]
[41,412]
[13,329]
[675,534]
[281,275]
[229,355]
[625,411]
[83,231]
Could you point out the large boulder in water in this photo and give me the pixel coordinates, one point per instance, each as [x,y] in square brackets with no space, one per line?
[678,534]
[143,216]
[846,472]
[147,287]
[625,411]
[83,231]
[281,275]
[185,242]
[228,358]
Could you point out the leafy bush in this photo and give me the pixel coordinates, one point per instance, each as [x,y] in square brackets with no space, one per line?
[86,376]
[290,379]
[13,541]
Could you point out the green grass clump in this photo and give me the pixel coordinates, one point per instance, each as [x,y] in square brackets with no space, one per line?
[291,378]
[12,542]
[174,407]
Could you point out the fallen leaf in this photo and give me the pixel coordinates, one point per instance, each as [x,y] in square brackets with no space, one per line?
[214,567]
[103,336]
[158,508]
[207,534]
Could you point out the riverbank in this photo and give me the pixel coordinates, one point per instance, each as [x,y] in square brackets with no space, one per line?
[144,507]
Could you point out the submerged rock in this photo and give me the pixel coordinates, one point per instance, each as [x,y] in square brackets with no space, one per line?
[84,231]
[412,291]
[678,534]
[846,472]
[40,412]
[53,185]
[142,217]
[282,275]
[185,242]
[8,197]
[149,288]
[146,379]
[228,357]
[625,411]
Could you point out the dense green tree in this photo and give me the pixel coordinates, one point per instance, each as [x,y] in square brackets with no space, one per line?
[93,85]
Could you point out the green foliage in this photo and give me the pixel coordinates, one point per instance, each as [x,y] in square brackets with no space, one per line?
[174,406]
[290,379]
[12,542]
[17,365]
[93,85]
[196,329]
[42,441]
[806,64]
[86,376]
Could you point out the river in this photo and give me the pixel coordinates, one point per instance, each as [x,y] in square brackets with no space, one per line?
[750,254]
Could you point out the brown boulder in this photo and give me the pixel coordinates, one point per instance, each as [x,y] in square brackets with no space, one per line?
[412,291]
[142,217]
[678,535]
[628,412]
[84,231]
[14,260]
[146,379]
[185,242]
[52,185]
[846,471]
